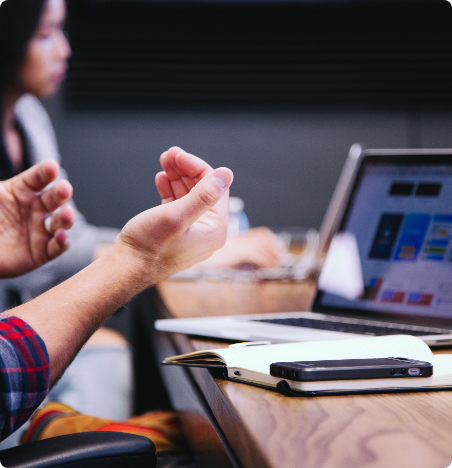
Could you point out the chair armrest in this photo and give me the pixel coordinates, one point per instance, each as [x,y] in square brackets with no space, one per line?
[83,450]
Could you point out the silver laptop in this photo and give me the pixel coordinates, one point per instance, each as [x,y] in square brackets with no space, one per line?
[397,206]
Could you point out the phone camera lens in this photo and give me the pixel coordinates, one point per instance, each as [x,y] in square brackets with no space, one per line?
[403,371]
[392,371]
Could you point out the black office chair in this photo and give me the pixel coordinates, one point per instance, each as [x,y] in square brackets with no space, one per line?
[83,450]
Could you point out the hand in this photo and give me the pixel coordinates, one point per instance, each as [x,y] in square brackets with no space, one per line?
[186,229]
[25,243]
[258,248]
[190,224]
[181,172]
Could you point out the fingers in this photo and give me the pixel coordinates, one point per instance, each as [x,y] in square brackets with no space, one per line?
[57,195]
[58,244]
[208,193]
[170,171]
[178,163]
[37,177]
[183,170]
[64,219]
[270,244]
[258,247]
[176,178]
[57,227]
[189,165]
[259,256]
[268,240]
[164,188]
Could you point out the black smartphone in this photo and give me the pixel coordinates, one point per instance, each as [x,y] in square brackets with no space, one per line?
[344,369]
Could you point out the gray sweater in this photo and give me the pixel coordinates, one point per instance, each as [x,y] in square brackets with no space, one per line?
[41,144]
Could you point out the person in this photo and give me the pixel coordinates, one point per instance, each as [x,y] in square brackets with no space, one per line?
[45,334]
[33,62]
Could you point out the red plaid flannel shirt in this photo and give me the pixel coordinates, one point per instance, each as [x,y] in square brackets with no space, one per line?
[24,373]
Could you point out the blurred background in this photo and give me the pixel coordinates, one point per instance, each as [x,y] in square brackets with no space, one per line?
[276,90]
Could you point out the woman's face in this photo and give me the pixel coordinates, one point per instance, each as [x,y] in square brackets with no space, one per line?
[45,63]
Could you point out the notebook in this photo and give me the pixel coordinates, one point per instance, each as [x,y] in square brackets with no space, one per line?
[388,233]
[251,365]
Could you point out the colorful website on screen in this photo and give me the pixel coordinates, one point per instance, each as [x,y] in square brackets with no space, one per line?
[401,217]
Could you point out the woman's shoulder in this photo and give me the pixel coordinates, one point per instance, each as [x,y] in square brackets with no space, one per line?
[37,127]
[30,108]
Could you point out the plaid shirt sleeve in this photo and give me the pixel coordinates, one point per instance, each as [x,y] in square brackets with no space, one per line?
[24,373]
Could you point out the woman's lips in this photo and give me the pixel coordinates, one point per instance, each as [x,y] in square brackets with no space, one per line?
[59,76]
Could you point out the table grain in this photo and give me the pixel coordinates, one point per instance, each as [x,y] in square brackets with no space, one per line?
[266,429]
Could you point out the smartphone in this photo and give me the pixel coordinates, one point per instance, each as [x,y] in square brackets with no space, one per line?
[344,369]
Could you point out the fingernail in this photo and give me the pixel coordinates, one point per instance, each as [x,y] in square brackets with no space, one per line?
[223,177]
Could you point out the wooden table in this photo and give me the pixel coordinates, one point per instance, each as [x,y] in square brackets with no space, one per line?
[230,424]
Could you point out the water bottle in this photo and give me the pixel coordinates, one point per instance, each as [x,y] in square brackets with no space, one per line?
[238,221]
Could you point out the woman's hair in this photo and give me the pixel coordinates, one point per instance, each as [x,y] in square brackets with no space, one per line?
[18,22]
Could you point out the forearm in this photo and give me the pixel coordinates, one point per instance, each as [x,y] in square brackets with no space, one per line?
[85,241]
[151,246]
[67,315]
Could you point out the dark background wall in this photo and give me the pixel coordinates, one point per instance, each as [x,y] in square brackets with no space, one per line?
[219,82]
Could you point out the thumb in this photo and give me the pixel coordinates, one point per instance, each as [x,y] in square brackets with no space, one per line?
[37,177]
[203,196]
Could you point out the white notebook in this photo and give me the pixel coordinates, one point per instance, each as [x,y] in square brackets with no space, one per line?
[251,364]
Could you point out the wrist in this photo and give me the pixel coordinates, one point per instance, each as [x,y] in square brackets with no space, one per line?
[132,272]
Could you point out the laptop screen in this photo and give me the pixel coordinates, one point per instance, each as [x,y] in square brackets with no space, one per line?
[400,213]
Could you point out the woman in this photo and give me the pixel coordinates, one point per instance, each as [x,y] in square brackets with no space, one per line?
[33,63]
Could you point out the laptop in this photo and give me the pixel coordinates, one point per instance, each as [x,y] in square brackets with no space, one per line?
[396,205]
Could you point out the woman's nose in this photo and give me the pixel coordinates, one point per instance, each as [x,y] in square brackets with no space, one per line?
[64,50]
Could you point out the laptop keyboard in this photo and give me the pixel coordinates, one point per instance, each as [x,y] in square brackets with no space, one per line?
[356,327]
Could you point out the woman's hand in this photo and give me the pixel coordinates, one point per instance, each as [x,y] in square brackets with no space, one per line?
[27,240]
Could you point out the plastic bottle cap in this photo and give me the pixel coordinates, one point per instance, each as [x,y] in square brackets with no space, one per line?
[236,205]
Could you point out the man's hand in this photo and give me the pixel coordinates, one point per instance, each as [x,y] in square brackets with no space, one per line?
[258,247]
[181,172]
[190,224]
[26,242]
[186,229]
